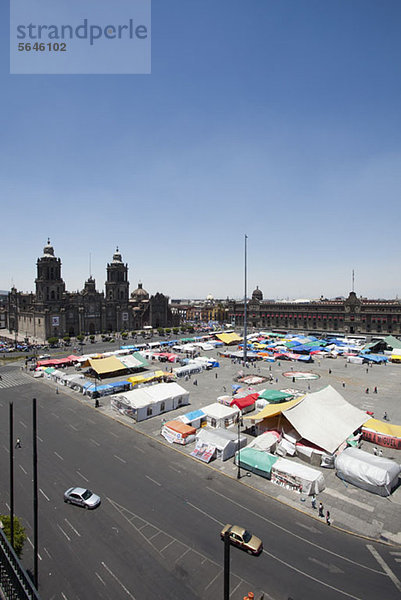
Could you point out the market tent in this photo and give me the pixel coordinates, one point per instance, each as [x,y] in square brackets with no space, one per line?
[134,361]
[266,441]
[382,433]
[246,402]
[297,477]
[396,355]
[224,442]
[375,474]
[256,461]
[229,338]
[218,415]
[392,342]
[274,396]
[106,365]
[271,410]
[325,418]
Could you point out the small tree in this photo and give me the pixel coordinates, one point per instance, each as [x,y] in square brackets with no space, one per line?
[175,330]
[160,330]
[80,337]
[19,533]
[52,341]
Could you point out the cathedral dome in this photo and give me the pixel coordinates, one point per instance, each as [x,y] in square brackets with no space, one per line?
[257,294]
[48,250]
[140,294]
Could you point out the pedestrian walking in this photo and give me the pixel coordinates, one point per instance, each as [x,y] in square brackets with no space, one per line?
[367,391]
[308,386]
[367,370]
[215,375]
[345,365]
[375,390]
[375,451]
[18,443]
[328,520]
[313,501]
[321,510]
[380,452]
[385,416]
[343,384]
[329,371]
[276,379]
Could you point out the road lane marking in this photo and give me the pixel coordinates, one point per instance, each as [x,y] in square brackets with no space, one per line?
[214,579]
[311,576]
[166,546]
[385,566]
[63,532]
[72,527]
[55,415]
[73,427]
[22,469]
[39,438]
[205,513]
[43,494]
[296,535]
[153,481]
[174,469]
[60,457]
[139,449]
[183,554]
[83,476]
[47,552]
[98,576]
[29,540]
[332,568]
[112,433]
[6,449]
[119,458]
[64,596]
[94,441]
[23,424]
[118,581]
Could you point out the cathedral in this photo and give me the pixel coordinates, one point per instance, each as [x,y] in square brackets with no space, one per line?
[54,312]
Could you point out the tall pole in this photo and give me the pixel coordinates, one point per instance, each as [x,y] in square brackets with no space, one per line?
[35,495]
[11,413]
[245,315]
[238,447]
[226,566]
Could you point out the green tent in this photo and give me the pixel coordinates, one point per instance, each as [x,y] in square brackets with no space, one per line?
[256,461]
[274,396]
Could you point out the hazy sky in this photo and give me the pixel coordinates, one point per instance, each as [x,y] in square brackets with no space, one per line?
[279,119]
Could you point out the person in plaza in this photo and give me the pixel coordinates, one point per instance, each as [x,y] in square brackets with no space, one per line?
[380,452]
[18,443]
[321,509]
[328,520]
[367,391]
[385,416]
[375,451]
[313,501]
[375,390]
[343,384]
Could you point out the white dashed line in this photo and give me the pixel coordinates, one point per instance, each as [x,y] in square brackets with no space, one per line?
[63,532]
[72,527]
[23,470]
[58,455]
[120,459]
[43,494]
[98,576]
[23,424]
[153,481]
[118,581]
[83,476]
[73,427]
[94,441]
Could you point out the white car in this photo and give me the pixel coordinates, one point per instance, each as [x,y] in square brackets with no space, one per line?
[81,497]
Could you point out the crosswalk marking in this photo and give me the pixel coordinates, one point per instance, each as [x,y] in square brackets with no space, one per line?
[14,378]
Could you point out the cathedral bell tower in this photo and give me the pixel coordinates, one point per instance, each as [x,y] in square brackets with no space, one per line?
[49,285]
[117,283]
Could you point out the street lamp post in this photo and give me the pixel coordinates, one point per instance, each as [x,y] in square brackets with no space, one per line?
[238,446]
[245,311]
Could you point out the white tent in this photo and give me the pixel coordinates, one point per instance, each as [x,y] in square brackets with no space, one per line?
[297,477]
[218,415]
[266,442]
[375,474]
[325,418]
[225,442]
[146,402]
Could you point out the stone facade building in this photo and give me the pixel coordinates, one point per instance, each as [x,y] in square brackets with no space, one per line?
[353,315]
[53,311]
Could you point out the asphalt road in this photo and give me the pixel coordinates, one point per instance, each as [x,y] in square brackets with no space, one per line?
[156,533]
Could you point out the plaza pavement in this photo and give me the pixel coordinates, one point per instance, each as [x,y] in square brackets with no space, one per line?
[351,508]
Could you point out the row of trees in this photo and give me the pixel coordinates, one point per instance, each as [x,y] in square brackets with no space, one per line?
[124,334]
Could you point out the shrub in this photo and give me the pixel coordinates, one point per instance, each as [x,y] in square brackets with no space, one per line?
[19,533]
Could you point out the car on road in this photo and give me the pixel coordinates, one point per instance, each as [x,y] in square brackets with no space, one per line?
[44,357]
[81,497]
[242,538]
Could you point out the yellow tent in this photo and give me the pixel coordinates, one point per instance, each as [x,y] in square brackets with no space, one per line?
[271,410]
[110,364]
[229,338]
[383,428]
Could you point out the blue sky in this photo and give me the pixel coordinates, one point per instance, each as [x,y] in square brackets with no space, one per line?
[279,119]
